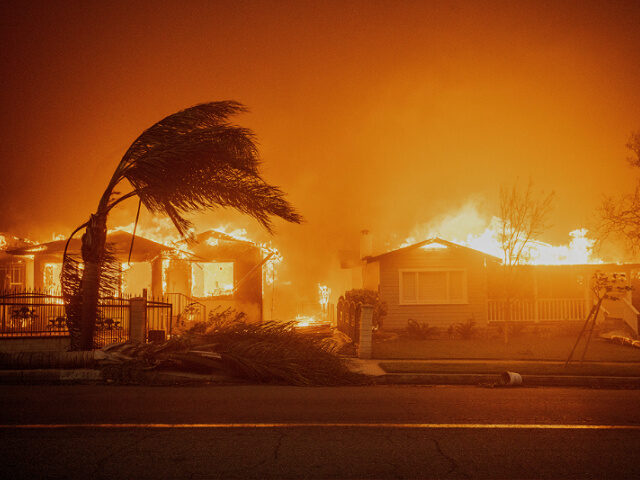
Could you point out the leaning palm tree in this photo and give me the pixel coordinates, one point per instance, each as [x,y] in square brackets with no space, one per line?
[189,161]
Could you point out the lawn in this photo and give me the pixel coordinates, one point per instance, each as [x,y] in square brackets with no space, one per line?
[522,347]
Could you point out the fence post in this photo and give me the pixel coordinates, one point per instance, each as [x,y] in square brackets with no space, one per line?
[138,319]
[366,331]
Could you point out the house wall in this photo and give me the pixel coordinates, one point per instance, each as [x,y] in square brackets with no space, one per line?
[371,275]
[435,315]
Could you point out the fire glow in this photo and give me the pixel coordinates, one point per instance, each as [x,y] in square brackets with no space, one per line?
[579,250]
[161,230]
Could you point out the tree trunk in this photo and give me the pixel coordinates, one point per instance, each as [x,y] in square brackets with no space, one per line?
[93,249]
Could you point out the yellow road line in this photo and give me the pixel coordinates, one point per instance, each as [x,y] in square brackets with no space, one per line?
[515,426]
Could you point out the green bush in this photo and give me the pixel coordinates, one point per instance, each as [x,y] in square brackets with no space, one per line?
[420,331]
[369,297]
[465,330]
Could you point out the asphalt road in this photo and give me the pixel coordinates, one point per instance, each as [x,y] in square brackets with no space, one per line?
[290,432]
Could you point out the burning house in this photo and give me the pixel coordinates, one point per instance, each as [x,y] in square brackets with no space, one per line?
[14,273]
[215,270]
[44,263]
[221,271]
[443,283]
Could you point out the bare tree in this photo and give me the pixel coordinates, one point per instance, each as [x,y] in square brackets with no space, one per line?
[620,216]
[523,215]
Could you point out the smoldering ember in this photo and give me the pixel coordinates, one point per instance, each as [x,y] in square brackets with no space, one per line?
[359,239]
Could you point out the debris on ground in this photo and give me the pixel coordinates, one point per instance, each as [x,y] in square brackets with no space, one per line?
[270,352]
[622,340]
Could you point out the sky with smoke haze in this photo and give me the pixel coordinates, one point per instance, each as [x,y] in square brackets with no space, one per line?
[383,115]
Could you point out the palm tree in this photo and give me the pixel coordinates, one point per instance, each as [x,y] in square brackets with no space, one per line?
[191,160]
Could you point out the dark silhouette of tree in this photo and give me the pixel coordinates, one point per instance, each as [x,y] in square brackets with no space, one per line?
[189,161]
[620,216]
[523,218]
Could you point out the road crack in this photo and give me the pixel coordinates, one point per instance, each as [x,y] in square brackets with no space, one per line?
[276,450]
[453,463]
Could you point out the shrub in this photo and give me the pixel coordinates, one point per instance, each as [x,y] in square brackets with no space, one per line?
[465,330]
[420,331]
[514,329]
[369,297]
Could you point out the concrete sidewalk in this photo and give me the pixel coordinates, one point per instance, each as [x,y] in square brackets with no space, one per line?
[439,372]
[487,372]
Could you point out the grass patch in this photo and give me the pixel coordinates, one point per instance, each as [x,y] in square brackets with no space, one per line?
[524,368]
[524,347]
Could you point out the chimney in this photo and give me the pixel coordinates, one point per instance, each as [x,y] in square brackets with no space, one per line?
[366,244]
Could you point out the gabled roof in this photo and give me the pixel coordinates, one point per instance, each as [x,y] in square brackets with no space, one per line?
[214,234]
[432,241]
[143,249]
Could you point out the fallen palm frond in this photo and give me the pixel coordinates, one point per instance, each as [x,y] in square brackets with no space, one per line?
[267,353]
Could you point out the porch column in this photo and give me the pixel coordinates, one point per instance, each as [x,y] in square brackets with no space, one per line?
[156,278]
[366,331]
[588,303]
[536,306]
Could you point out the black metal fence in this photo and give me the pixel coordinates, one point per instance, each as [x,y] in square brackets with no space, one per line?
[24,314]
[38,314]
[348,318]
[113,322]
[159,319]
[185,309]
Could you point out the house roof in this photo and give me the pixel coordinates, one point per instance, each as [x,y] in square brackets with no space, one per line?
[431,241]
[143,248]
[214,234]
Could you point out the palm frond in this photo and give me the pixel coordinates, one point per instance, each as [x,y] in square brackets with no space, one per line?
[195,159]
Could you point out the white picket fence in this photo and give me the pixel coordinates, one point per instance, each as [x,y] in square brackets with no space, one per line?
[542,309]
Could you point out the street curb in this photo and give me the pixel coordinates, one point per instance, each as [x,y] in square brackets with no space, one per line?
[50,376]
[493,379]
[91,376]
[85,376]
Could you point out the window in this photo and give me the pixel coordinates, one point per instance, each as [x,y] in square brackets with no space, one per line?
[433,286]
[211,279]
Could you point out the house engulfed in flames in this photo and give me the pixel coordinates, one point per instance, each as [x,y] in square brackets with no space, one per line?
[13,270]
[214,270]
[442,283]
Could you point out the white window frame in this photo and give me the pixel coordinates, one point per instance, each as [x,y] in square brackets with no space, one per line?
[443,301]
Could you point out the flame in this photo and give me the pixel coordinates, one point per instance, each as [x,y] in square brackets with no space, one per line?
[51,277]
[165,267]
[324,293]
[123,277]
[162,230]
[271,265]
[468,228]
[158,229]
[238,233]
[308,321]
[8,242]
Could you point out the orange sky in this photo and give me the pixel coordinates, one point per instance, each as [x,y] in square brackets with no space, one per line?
[370,114]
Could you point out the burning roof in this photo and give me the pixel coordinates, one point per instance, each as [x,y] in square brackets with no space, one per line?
[143,249]
[431,244]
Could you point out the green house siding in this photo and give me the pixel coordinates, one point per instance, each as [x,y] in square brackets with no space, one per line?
[440,315]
